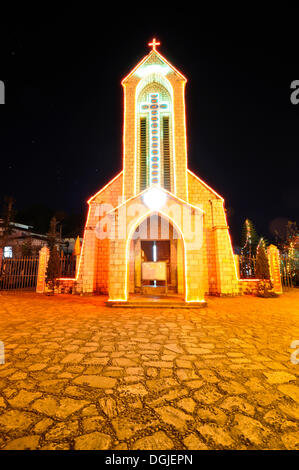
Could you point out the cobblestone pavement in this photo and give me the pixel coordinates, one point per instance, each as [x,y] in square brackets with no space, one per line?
[80,375]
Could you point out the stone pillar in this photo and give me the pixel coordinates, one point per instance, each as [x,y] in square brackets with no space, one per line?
[173,263]
[195,290]
[237,264]
[89,260]
[227,281]
[274,264]
[180,266]
[43,259]
[137,265]
[118,272]
[132,267]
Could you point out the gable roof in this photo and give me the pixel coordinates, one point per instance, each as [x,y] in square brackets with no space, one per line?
[169,194]
[154,57]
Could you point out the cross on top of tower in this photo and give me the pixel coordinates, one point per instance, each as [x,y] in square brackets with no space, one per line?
[154,43]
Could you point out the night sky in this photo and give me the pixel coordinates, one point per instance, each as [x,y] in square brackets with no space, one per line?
[61,126]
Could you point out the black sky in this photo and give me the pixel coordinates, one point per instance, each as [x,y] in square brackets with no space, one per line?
[61,126]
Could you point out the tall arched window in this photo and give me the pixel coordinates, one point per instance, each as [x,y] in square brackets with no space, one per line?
[154,136]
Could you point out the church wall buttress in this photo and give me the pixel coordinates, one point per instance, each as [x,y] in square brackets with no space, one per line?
[180,144]
[129,140]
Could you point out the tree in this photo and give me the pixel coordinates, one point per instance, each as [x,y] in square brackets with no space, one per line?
[53,269]
[27,248]
[262,264]
[6,221]
[249,242]
[286,239]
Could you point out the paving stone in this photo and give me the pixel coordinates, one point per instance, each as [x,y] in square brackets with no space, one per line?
[174,417]
[213,415]
[184,364]
[187,374]
[2,403]
[188,404]
[192,442]
[208,376]
[157,441]
[95,381]
[160,364]
[18,376]
[194,384]
[60,409]
[232,388]
[135,371]
[14,420]
[23,443]
[169,396]
[93,441]
[203,350]
[36,367]
[175,348]
[62,431]
[42,425]
[275,419]
[291,391]
[124,362]
[52,385]
[251,430]
[265,398]
[109,406]
[73,358]
[23,398]
[93,423]
[133,389]
[156,385]
[291,440]
[279,377]
[73,391]
[207,395]
[90,410]
[215,435]
[237,404]
[254,384]
[290,411]
[125,427]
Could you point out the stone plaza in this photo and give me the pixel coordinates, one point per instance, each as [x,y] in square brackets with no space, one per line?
[81,375]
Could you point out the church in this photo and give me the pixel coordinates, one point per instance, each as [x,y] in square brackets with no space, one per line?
[156,229]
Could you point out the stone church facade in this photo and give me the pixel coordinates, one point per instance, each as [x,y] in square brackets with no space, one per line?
[156,209]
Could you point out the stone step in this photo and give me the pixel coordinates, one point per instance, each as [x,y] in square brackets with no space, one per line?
[156,304]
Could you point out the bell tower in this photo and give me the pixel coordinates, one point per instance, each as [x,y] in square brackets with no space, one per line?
[154,132]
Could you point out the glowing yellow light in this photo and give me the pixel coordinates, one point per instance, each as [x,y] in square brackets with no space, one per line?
[154,198]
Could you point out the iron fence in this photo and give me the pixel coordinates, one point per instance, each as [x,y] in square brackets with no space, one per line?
[67,266]
[18,273]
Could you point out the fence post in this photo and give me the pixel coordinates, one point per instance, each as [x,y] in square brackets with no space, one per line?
[273,256]
[43,259]
[237,264]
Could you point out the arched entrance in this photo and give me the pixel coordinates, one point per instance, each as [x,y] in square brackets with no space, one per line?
[156,243]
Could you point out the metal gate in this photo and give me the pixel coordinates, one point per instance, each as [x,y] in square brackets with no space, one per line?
[18,273]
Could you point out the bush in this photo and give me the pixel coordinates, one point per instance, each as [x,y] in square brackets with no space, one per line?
[265,289]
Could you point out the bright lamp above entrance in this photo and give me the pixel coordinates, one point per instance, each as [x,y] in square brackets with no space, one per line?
[154,198]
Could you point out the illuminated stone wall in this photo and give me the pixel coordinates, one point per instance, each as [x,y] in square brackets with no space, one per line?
[105,263]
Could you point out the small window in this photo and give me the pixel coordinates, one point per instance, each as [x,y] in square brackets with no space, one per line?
[7,252]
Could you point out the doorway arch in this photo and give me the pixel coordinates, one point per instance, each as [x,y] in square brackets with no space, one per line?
[156,237]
